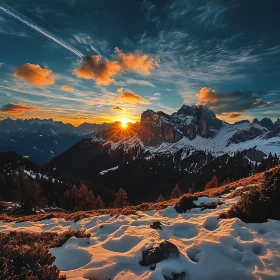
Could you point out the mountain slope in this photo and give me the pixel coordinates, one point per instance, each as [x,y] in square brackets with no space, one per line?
[203,245]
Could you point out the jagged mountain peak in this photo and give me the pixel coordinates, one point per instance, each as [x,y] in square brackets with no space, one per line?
[277,122]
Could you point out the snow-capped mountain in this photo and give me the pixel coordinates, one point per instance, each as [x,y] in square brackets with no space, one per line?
[42,140]
[164,150]
[198,127]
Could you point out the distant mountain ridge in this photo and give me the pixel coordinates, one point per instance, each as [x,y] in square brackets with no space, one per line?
[42,140]
[48,126]
[191,128]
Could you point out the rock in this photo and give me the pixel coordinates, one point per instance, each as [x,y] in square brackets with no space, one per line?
[163,251]
[189,121]
[156,225]
[176,276]
[185,204]
[244,135]
[267,123]
[156,128]
[277,123]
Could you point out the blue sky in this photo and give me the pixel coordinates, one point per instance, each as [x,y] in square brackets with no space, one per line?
[98,61]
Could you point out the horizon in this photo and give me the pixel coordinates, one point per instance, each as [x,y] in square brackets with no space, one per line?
[274,120]
[98,62]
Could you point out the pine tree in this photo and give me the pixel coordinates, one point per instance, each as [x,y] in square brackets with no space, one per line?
[213,183]
[83,198]
[160,198]
[28,192]
[100,202]
[121,199]
[92,201]
[176,192]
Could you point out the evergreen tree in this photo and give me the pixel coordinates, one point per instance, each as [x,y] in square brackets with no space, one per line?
[92,201]
[176,192]
[100,202]
[83,198]
[160,198]
[121,199]
[213,183]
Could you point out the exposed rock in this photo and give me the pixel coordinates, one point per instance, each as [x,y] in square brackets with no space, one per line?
[156,128]
[273,133]
[163,251]
[176,276]
[185,204]
[255,120]
[277,123]
[249,133]
[156,225]
[267,123]
[189,121]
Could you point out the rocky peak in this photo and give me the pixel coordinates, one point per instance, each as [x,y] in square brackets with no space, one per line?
[277,123]
[267,123]
[189,121]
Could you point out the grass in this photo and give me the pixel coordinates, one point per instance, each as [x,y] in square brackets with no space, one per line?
[25,256]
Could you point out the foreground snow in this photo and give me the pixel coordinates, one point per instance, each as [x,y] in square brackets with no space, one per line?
[211,249]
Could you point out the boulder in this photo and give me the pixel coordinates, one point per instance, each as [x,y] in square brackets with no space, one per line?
[156,254]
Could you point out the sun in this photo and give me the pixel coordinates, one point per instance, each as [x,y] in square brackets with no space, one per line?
[124,123]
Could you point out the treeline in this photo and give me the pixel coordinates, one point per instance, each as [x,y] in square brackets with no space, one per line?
[46,191]
[19,187]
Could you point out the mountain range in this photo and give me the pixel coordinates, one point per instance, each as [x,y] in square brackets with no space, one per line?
[42,140]
[186,148]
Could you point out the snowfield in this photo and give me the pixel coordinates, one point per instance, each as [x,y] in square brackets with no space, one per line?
[210,249]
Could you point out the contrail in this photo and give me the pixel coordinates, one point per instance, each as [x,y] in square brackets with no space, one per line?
[27,22]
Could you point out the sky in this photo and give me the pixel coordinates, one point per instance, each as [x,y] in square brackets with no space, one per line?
[102,61]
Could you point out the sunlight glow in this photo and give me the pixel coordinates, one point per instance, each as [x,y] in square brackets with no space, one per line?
[124,123]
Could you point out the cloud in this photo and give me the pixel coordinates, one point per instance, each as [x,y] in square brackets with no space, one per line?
[66,88]
[103,70]
[17,109]
[117,108]
[130,97]
[231,104]
[35,75]
[2,117]
[231,115]
[142,64]
[98,69]
[156,96]
[44,32]
[1,63]
[132,81]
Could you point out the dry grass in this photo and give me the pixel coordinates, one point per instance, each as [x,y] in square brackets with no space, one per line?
[256,179]
[26,256]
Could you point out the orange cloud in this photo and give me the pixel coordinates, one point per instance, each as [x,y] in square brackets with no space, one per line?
[17,109]
[207,95]
[103,71]
[117,108]
[232,115]
[66,88]
[130,97]
[100,70]
[142,64]
[2,118]
[35,75]
[231,104]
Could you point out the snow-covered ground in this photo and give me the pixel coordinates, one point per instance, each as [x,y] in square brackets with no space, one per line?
[210,249]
